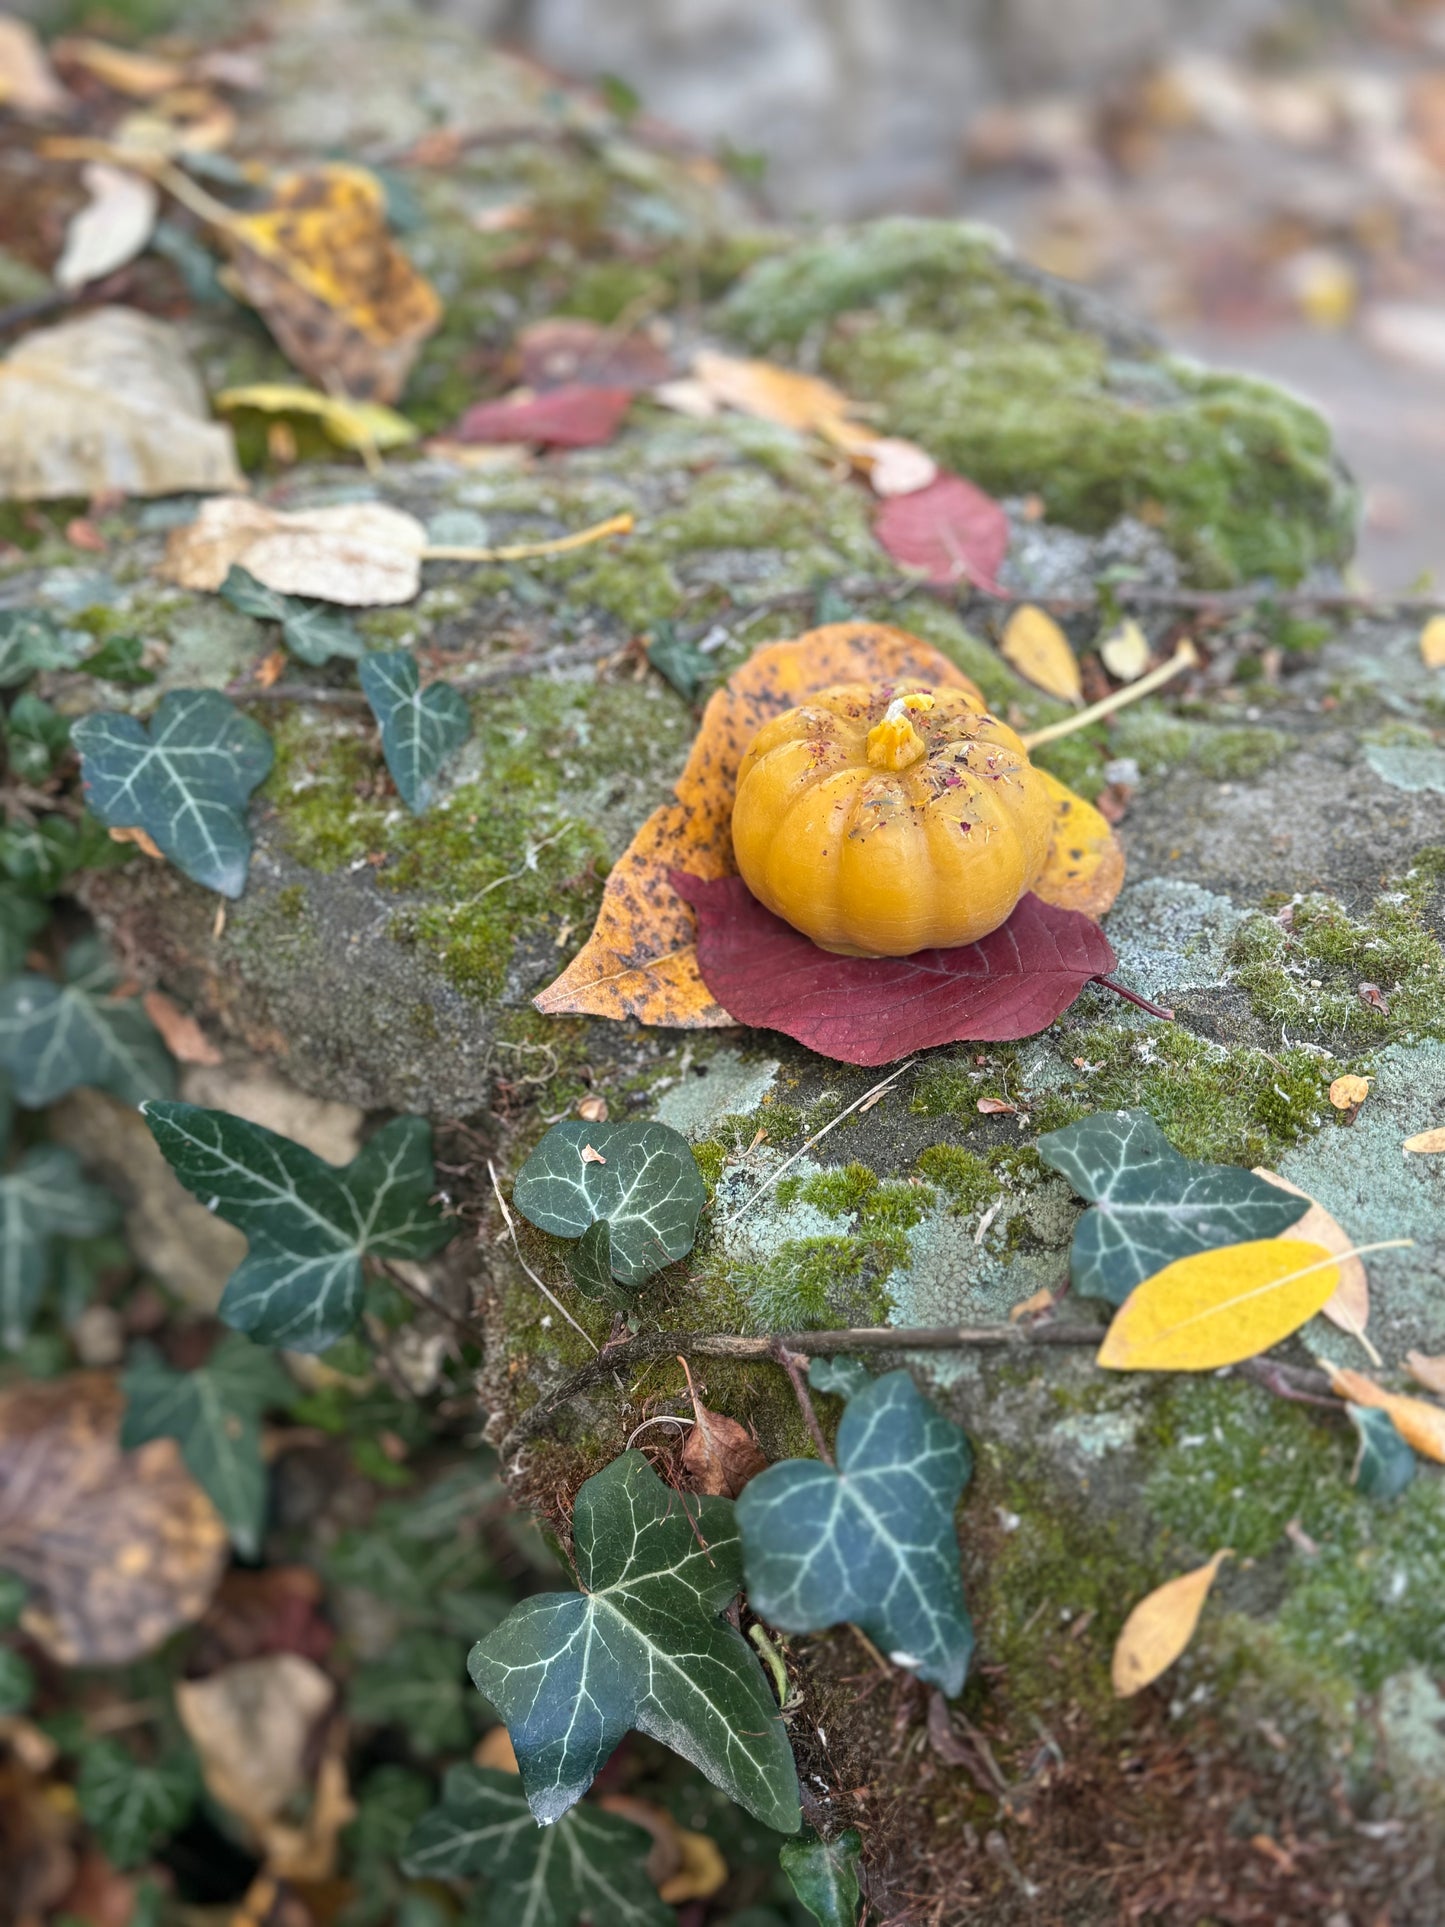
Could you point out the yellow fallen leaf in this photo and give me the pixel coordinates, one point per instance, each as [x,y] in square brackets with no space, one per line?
[1349,1306]
[1425,1142]
[350,424]
[122,69]
[1217,1307]
[1126,653]
[27,83]
[359,553]
[1038,648]
[702,1873]
[1427,1371]
[1346,1092]
[1085,867]
[768,392]
[1417,1421]
[319,264]
[1161,1627]
[1432,643]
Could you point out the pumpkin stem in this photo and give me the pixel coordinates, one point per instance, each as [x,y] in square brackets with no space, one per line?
[895,743]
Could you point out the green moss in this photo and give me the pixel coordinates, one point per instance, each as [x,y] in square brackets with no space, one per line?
[711,1157]
[1306,977]
[1240,753]
[1236,1465]
[988,371]
[809,1283]
[964,1178]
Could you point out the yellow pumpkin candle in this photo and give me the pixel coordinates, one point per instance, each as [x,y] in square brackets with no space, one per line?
[887,820]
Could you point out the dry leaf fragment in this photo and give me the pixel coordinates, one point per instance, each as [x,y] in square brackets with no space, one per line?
[702,1873]
[1347,1092]
[252,1725]
[1217,1307]
[1126,653]
[1423,1143]
[565,349]
[181,1034]
[109,402]
[27,82]
[720,1455]
[1030,1307]
[140,839]
[117,1548]
[892,465]
[123,69]
[111,229]
[1427,1371]
[1417,1421]
[995,1106]
[593,1109]
[1038,648]
[591,1155]
[350,424]
[1432,643]
[770,393]
[1349,1304]
[1161,1626]
[343,301]
[359,553]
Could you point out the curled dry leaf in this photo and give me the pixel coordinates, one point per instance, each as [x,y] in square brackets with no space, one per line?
[252,1726]
[1347,1092]
[996,1107]
[1038,648]
[108,402]
[153,1544]
[181,1034]
[319,265]
[768,392]
[1417,1421]
[362,554]
[1219,1306]
[1126,653]
[950,530]
[111,228]
[641,959]
[1427,1371]
[1349,1304]
[719,1455]
[125,70]
[1425,1143]
[144,843]
[1161,1626]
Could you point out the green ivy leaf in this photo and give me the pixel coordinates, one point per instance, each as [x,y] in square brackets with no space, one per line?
[119,660]
[17,1683]
[643,1646]
[1385,1462]
[22,918]
[681,662]
[40,856]
[35,738]
[45,1196]
[643,1180]
[308,1223]
[13,1594]
[31,639]
[419,1686]
[214,1413]
[872,1542]
[589,1264]
[58,1037]
[590,1866]
[844,1376]
[184,780]
[310,630]
[420,728]
[824,1876]
[1151,1205]
[131,1805]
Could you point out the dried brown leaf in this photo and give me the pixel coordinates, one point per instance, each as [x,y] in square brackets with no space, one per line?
[1425,1143]
[181,1034]
[1347,1092]
[252,1726]
[28,85]
[1427,1371]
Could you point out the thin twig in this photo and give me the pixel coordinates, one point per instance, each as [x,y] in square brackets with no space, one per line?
[461,1325]
[789,1362]
[549,1295]
[1186,656]
[868,1097]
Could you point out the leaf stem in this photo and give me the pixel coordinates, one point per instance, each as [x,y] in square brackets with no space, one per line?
[461,1325]
[1133,997]
[549,1295]
[1186,656]
[789,1362]
[522,551]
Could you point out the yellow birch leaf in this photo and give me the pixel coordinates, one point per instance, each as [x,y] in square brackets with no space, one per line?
[1217,1307]
[1417,1421]
[1038,648]
[1085,865]
[1432,643]
[770,393]
[1126,653]
[1161,1627]
[1425,1142]
[1349,1307]
[350,424]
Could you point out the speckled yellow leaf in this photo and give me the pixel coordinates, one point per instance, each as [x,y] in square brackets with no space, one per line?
[1126,653]
[1217,1307]
[350,424]
[1085,866]
[640,960]
[1161,1627]
[1417,1421]
[1038,648]
[1349,1306]
[1432,643]
[768,392]
[1425,1142]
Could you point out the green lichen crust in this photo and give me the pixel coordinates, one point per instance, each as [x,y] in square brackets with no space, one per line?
[1016,383]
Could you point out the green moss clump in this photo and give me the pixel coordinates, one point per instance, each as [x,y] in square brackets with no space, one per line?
[983,365]
[1238,754]
[1307,977]
[711,1156]
[809,1283]
[962,1176]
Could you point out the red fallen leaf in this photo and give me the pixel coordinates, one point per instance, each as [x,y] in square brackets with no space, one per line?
[873,1010]
[576,416]
[950,529]
[566,349]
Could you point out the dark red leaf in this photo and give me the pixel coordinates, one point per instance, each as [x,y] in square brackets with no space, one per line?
[873,1010]
[566,349]
[577,416]
[950,529]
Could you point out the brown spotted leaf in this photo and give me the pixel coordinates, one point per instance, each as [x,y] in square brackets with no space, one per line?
[118,1549]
